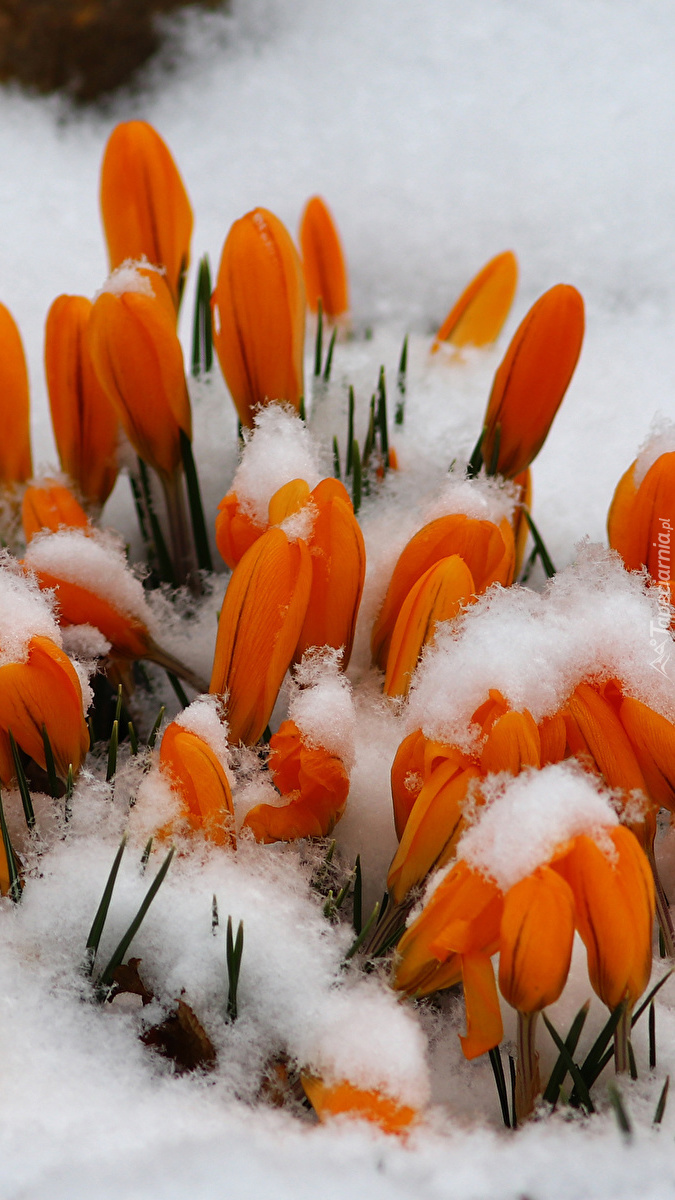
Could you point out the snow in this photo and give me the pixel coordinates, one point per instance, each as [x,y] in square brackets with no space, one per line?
[438,135]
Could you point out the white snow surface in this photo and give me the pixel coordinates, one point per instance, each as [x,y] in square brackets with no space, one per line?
[439,135]
[25,612]
[95,561]
[278,449]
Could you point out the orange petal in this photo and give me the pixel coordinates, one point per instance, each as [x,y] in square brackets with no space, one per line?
[553,739]
[606,739]
[434,825]
[338,572]
[407,778]
[512,743]
[521,529]
[532,379]
[484,1029]
[438,595]
[15,456]
[145,208]
[86,426]
[287,500]
[653,739]
[259,314]
[614,905]
[260,621]
[535,940]
[77,605]
[345,1099]
[45,691]
[236,531]
[479,543]
[196,772]
[642,530]
[139,363]
[622,528]
[476,319]
[323,262]
[51,506]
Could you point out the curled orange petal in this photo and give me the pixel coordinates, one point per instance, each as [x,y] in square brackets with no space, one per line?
[512,743]
[345,1099]
[86,425]
[484,1028]
[259,314]
[45,692]
[50,506]
[477,317]
[438,595]
[197,774]
[236,531]
[144,205]
[531,381]
[258,630]
[323,262]
[316,782]
[287,500]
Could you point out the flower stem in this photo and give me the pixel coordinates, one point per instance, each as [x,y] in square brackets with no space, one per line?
[527,1068]
[621,1038]
[184,564]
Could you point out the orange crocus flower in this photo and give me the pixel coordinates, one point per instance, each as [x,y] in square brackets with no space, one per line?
[260,622]
[535,940]
[196,772]
[86,425]
[236,531]
[139,363]
[531,381]
[50,506]
[44,691]
[316,782]
[259,314]
[487,550]
[323,262]
[145,208]
[652,737]
[641,521]
[15,456]
[438,595]
[477,317]
[343,1098]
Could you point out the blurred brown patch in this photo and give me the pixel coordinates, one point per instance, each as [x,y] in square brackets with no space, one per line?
[83,47]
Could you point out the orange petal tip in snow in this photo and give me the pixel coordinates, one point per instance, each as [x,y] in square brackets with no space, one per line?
[323,262]
[477,317]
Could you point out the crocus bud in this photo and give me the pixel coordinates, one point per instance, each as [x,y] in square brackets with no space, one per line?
[260,622]
[259,314]
[316,782]
[15,456]
[323,262]
[439,595]
[531,381]
[197,774]
[50,506]
[482,546]
[139,363]
[641,520]
[145,208]
[477,317]
[44,692]
[85,423]
[535,940]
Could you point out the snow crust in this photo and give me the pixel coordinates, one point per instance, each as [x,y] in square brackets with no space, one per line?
[128,278]
[25,612]
[661,441]
[322,707]
[202,717]
[278,449]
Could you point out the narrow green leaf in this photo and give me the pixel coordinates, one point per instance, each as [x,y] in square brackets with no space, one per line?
[146,854]
[24,790]
[215,919]
[557,1076]
[106,977]
[50,764]
[632,1065]
[336,458]
[652,1037]
[350,433]
[650,996]
[358,942]
[382,418]
[99,921]
[164,564]
[356,477]
[494,457]
[155,729]
[595,1061]
[500,1082]
[133,738]
[234,951]
[357,919]
[112,752]
[15,885]
[329,356]
[140,514]
[202,345]
[661,1106]
[401,383]
[575,1072]
[622,1118]
[178,689]
[527,569]
[512,1073]
[539,543]
[476,461]
[201,540]
[318,345]
[68,798]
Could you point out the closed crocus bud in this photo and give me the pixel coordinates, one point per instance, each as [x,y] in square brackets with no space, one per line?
[535,942]
[85,422]
[323,262]
[415,759]
[236,531]
[338,556]
[259,315]
[439,595]
[343,1098]
[512,743]
[531,381]
[614,904]
[139,363]
[316,782]
[642,517]
[482,546]
[260,622]
[145,208]
[43,693]
[15,456]
[50,506]
[477,317]
[196,772]
[434,825]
